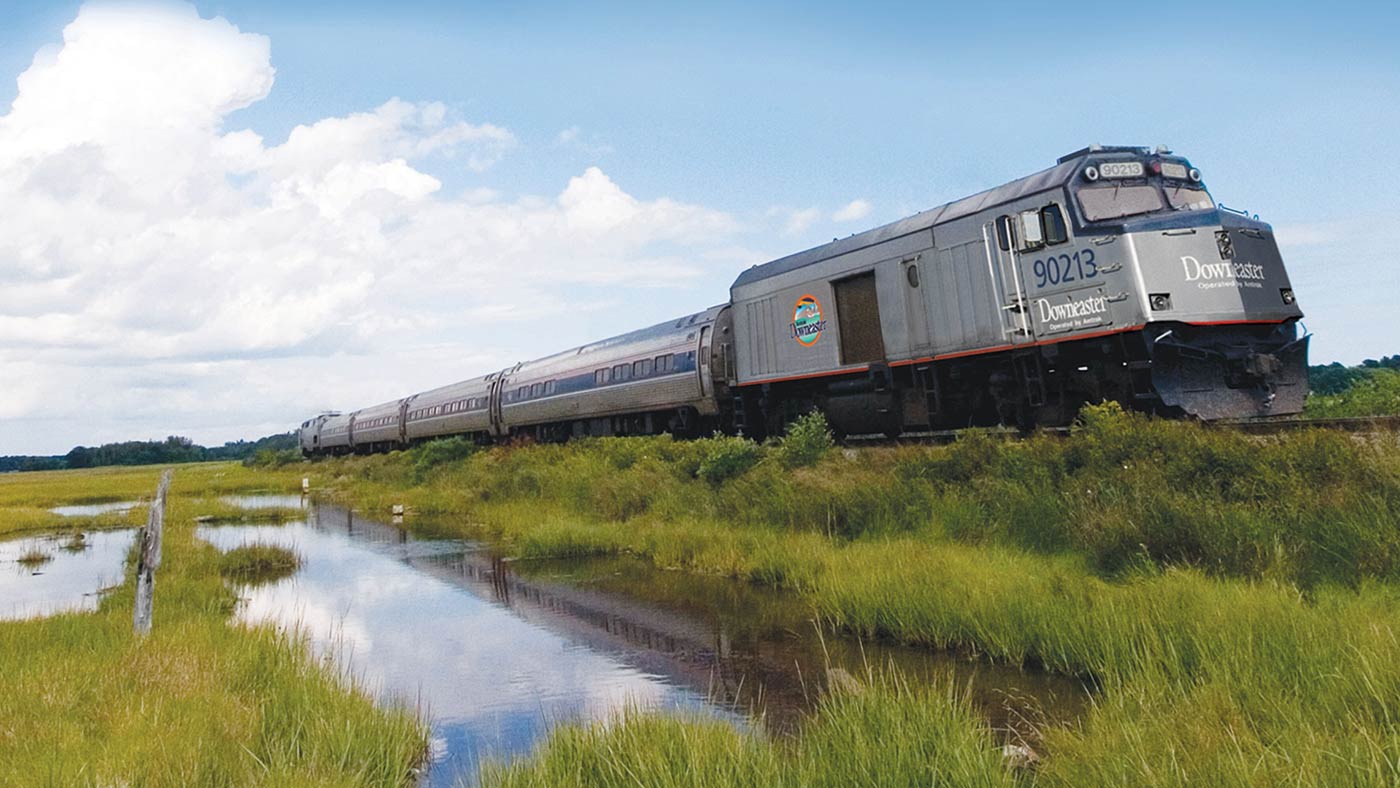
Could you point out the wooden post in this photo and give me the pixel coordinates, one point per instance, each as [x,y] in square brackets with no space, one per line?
[149,560]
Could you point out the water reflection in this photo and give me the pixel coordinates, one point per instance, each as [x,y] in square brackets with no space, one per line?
[497,650]
[267,501]
[491,680]
[94,509]
[76,570]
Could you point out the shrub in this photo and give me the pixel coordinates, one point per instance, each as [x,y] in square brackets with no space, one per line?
[1375,394]
[807,441]
[427,456]
[726,458]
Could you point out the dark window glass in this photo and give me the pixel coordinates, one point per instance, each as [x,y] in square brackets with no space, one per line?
[1004,233]
[912,274]
[1052,225]
[663,364]
[549,387]
[620,372]
[645,365]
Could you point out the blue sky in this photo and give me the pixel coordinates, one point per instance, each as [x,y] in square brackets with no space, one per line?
[743,132]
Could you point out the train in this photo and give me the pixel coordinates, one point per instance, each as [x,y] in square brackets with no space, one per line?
[1112,275]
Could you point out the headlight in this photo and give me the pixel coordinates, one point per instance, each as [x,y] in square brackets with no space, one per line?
[1287,294]
[1194,175]
[1160,302]
[1091,173]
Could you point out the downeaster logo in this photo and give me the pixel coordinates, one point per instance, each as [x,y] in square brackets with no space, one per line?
[807,321]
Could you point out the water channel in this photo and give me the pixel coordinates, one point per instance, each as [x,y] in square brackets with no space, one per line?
[498,651]
[70,576]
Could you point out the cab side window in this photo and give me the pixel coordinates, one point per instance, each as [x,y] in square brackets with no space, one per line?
[1052,225]
[1004,233]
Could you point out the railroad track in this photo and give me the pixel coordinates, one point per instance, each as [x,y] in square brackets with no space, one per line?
[1360,425]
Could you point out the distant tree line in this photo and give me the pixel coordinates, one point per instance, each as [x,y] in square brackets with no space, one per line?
[172,450]
[1335,379]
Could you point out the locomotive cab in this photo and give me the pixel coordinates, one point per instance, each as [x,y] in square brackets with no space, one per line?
[1218,310]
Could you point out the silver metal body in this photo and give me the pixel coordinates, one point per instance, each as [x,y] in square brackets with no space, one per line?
[651,380]
[947,287]
[1111,275]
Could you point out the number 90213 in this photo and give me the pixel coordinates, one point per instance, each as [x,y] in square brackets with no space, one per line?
[1062,268]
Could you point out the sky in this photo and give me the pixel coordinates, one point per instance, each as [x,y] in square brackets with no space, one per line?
[219,219]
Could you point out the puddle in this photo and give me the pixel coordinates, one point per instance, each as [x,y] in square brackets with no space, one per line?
[499,651]
[94,509]
[71,577]
[269,501]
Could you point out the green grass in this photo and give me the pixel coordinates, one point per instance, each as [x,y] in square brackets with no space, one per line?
[1376,392]
[200,701]
[882,733]
[256,564]
[1235,599]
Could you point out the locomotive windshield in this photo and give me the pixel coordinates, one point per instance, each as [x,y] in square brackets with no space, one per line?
[1113,202]
[1105,201]
[1188,198]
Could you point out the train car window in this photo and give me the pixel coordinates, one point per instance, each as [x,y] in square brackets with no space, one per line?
[549,387]
[604,376]
[537,390]
[521,392]
[642,369]
[663,364]
[1052,225]
[1004,233]
[622,372]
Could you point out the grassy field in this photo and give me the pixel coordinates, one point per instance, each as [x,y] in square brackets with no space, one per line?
[200,702]
[1235,599]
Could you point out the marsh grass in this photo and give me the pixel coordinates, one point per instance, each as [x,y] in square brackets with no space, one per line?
[33,558]
[882,733]
[258,563]
[198,702]
[1233,598]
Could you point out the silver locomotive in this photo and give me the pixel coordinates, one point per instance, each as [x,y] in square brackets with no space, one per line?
[1112,275]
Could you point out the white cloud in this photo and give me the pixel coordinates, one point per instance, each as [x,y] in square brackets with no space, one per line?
[255,282]
[852,211]
[795,221]
[574,137]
